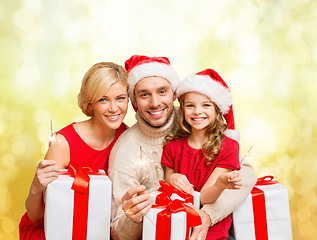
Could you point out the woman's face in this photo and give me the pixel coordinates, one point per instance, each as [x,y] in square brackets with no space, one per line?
[112,107]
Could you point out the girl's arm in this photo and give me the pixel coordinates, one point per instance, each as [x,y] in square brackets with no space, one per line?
[218,181]
[180,181]
[57,157]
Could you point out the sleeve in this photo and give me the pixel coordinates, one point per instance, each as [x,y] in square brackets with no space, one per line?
[123,178]
[167,157]
[229,156]
[230,199]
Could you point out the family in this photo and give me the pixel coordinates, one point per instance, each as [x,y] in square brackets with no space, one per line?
[193,146]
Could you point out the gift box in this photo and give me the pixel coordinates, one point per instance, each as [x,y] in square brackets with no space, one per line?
[170,219]
[174,193]
[78,205]
[264,214]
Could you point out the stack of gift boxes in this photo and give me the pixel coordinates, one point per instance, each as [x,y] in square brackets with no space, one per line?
[78,205]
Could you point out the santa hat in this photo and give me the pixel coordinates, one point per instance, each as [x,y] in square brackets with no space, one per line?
[139,67]
[209,83]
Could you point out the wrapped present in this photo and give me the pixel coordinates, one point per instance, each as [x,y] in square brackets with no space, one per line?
[170,220]
[174,193]
[78,205]
[264,214]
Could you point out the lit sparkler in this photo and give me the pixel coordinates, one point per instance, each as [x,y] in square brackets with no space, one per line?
[248,153]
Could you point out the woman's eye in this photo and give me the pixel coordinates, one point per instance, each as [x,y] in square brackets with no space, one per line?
[121,98]
[102,100]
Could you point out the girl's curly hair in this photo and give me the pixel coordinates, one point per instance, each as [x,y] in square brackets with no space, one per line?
[214,132]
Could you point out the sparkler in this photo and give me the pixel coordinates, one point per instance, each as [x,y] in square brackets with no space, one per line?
[244,155]
[52,138]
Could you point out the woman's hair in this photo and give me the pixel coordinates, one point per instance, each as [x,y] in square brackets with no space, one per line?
[97,81]
[214,132]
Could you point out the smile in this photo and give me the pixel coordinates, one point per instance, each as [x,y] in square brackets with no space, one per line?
[113,117]
[198,119]
[156,113]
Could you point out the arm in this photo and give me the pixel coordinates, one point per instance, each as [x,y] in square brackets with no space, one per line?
[129,201]
[230,199]
[46,172]
[218,181]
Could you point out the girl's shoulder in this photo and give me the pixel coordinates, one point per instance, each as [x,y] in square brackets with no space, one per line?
[229,143]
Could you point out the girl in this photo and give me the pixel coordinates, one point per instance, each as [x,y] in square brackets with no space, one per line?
[203,153]
[103,98]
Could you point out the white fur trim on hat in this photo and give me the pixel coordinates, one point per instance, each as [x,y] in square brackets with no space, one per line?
[150,70]
[233,134]
[203,84]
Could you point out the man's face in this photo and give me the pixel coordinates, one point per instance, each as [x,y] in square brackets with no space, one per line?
[154,99]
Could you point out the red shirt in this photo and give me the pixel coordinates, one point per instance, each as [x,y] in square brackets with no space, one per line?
[184,159]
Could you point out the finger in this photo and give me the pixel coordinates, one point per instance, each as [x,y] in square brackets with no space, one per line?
[139,216]
[132,191]
[139,207]
[186,186]
[195,233]
[136,200]
[44,163]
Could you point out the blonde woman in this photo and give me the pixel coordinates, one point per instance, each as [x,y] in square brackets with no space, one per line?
[103,97]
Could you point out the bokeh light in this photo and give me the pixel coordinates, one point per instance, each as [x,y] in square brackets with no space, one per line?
[265,50]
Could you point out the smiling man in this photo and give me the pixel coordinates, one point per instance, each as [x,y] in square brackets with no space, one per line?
[135,160]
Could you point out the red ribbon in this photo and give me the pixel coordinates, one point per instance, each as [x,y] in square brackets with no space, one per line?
[81,197]
[164,218]
[259,210]
[168,189]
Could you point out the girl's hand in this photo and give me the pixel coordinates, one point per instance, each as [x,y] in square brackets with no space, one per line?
[230,180]
[181,182]
[46,172]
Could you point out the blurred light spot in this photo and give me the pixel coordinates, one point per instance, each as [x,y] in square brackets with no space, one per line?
[8,225]
[3,144]
[18,148]
[8,160]
[249,50]
[16,116]
[9,52]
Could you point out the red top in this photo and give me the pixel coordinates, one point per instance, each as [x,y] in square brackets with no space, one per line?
[80,153]
[184,159]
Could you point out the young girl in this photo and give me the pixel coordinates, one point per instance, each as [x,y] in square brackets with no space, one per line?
[203,154]
[103,97]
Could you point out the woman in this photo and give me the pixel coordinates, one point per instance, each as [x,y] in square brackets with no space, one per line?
[103,97]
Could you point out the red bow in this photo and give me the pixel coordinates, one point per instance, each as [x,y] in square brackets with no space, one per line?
[81,197]
[259,210]
[163,223]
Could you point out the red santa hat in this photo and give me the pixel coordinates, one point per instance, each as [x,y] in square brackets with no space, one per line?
[139,67]
[209,83]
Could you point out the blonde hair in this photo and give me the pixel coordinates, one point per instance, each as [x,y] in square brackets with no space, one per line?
[214,132]
[97,81]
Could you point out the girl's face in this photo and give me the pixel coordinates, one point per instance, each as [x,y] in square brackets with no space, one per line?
[199,111]
[112,107]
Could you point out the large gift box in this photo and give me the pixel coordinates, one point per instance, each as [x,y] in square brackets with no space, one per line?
[171,217]
[264,214]
[78,205]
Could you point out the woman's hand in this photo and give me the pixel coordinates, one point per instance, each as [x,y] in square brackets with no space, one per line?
[230,180]
[46,172]
[181,182]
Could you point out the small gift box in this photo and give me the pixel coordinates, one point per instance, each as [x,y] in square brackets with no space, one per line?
[170,219]
[78,205]
[264,214]
[174,193]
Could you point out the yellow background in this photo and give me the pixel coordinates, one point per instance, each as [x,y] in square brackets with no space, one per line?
[265,50]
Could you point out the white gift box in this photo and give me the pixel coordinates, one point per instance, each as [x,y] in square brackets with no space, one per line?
[277,215]
[174,196]
[59,204]
[178,225]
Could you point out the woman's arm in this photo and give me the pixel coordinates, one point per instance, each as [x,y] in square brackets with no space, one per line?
[57,157]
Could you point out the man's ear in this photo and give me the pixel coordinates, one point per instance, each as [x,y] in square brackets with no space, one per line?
[174,96]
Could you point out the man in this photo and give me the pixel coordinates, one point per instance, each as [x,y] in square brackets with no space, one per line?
[135,161]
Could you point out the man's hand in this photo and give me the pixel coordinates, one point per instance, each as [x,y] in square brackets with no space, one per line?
[136,203]
[181,182]
[200,232]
